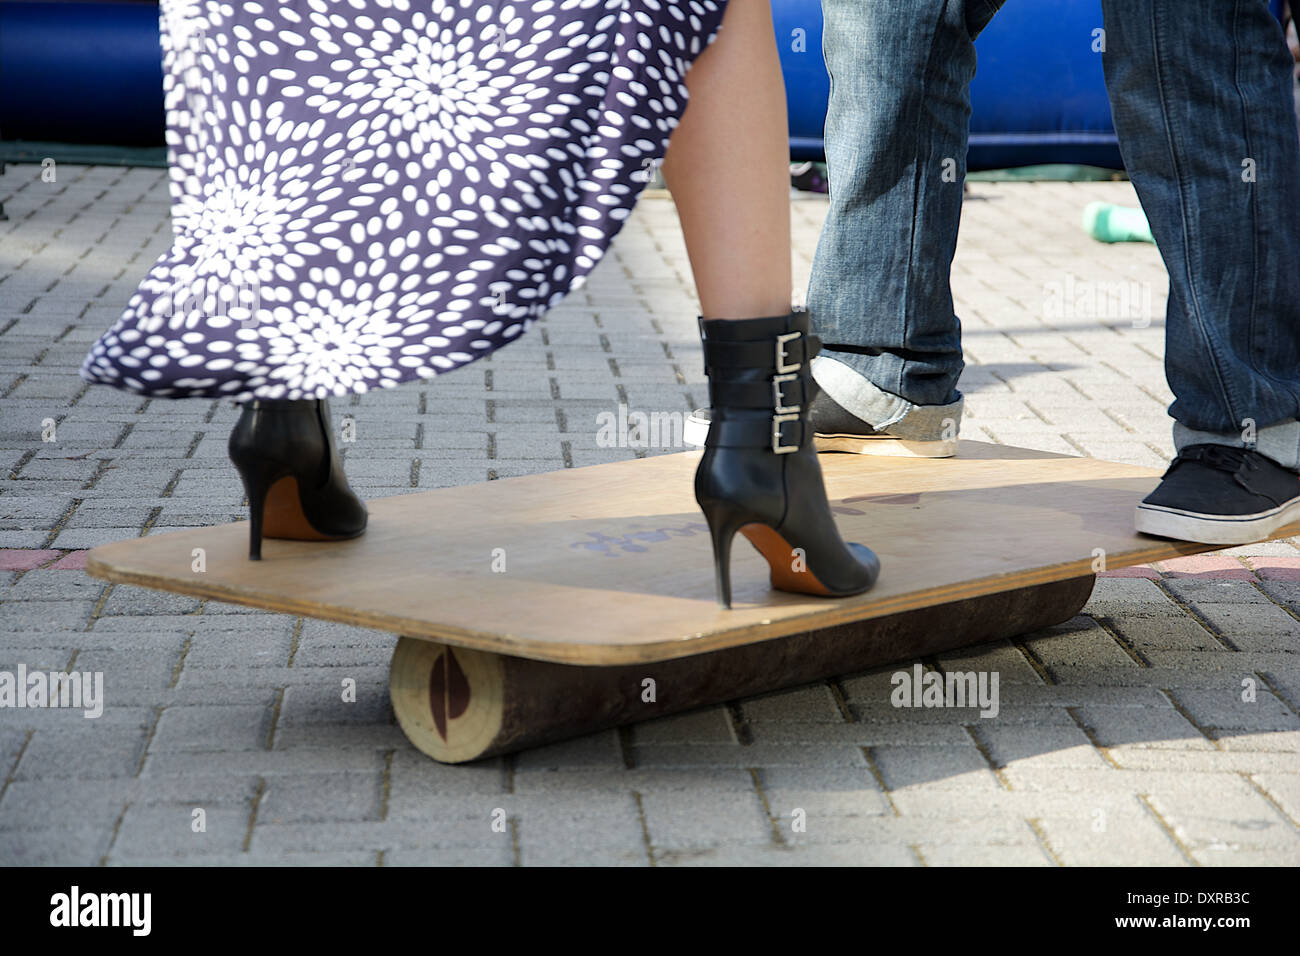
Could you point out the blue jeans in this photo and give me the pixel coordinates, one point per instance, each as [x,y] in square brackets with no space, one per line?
[1196,86]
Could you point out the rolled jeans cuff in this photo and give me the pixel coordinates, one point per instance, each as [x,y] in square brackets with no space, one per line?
[1280,441]
[884,411]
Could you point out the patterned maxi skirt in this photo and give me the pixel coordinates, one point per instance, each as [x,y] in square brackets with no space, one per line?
[366,192]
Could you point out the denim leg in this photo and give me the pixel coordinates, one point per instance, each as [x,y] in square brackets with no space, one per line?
[1200,91]
[896,136]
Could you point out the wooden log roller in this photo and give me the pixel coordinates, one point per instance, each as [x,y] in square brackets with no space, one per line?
[457,704]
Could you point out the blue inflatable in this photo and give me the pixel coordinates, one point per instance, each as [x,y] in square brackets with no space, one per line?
[91,73]
[1039,95]
[81,73]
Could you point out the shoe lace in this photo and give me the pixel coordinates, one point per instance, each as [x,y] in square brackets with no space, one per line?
[1241,463]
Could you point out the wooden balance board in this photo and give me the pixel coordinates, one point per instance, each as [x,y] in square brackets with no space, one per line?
[537,608]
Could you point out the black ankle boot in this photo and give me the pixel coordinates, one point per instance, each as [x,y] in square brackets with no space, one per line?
[759,474]
[296,488]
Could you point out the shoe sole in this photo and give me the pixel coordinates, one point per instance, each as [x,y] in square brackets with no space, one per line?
[886,446]
[1214,529]
[695,432]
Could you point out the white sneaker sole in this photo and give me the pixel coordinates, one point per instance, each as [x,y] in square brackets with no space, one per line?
[1214,529]
[695,432]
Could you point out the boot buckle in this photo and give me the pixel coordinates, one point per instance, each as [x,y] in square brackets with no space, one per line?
[782,354]
[778,399]
[777,422]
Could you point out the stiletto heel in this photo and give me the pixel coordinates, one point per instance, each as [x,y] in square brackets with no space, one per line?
[286,458]
[759,474]
[723,526]
[257,484]
[256,504]
[256,494]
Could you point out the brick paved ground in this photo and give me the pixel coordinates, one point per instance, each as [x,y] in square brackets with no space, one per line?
[1123,736]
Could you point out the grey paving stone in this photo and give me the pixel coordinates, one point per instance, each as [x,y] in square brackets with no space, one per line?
[22,539]
[1165,632]
[416,784]
[40,584]
[345,858]
[349,796]
[791,806]
[1283,788]
[1051,746]
[945,854]
[951,767]
[1131,838]
[1250,823]
[890,829]
[44,615]
[462,831]
[1198,592]
[318,698]
[153,831]
[857,854]
[610,852]
[59,846]
[263,763]
[1072,645]
[565,834]
[564,785]
[35,805]
[254,684]
[129,600]
[705,726]
[1001,657]
[1159,727]
[1253,627]
[52,755]
[1284,592]
[815,702]
[1224,709]
[495,854]
[198,728]
[382,737]
[193,623]
[592,751]
[656,756]
[865,733]
[145,668]
[13,741]
[677,820]
[220,649]
[22,654]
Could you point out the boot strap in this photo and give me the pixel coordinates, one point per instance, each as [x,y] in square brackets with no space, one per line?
[783,354]
[782,434]
[783,394]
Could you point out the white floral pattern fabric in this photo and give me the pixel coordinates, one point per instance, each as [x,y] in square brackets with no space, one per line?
[366,192]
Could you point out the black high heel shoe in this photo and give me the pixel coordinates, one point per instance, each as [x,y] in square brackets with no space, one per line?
[285,454]
[759,474]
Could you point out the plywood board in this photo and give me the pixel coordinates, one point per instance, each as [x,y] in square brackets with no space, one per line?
[611,564]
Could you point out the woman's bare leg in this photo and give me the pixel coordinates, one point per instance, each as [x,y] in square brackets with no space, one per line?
[728,166]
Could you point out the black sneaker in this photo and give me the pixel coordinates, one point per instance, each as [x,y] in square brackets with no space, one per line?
[1215,494]
[837,429]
